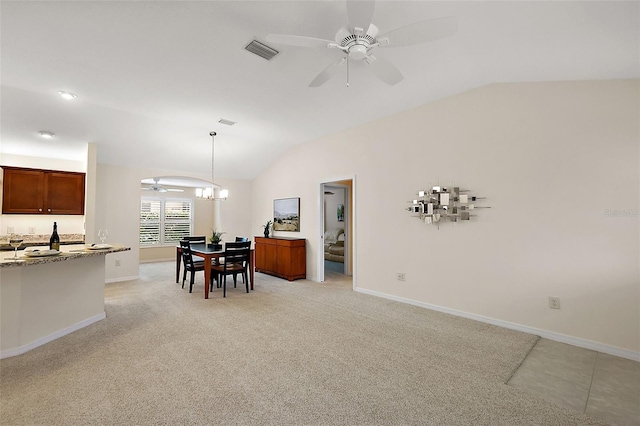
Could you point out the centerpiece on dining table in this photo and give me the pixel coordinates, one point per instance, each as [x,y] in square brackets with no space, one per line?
[216,240]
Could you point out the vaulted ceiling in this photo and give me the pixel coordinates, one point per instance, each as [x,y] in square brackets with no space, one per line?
[154,78]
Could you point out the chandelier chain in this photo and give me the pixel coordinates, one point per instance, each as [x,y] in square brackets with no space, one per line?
[213,147]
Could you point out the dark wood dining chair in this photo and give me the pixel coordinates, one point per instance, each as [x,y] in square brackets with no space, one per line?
[243,244]
[236,261]
[198,239]
[190,265]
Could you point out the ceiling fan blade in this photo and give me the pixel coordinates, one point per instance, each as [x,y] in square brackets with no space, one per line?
[421,32]
[386,71]
[360,13]
[327,73]
[300,41]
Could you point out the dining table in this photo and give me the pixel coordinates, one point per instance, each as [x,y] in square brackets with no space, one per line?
[208,253]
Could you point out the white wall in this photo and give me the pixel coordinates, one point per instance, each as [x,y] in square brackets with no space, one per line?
[552,160]
[118,211]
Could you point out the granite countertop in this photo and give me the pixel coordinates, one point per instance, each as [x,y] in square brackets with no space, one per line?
[37,240]
[67,253]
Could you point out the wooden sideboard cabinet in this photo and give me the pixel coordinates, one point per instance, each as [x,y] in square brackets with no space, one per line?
[282,257]
[36,191]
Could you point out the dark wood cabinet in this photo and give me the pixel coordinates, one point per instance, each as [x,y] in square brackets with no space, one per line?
[36,191]
[282,257]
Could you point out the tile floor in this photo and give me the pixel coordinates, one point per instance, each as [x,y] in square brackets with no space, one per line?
[603,386]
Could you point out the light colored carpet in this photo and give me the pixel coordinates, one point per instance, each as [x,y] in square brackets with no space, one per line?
[288,353]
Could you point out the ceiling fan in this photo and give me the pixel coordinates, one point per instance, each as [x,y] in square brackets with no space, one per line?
[360,38]
[159,188]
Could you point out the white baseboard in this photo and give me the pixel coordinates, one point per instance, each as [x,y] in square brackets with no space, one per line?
[121,279]
[158,260]
[558,337]
[51,337]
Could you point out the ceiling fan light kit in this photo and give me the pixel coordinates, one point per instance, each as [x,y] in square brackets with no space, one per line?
[358,45]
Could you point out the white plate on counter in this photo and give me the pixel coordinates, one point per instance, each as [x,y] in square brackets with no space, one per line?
[99,247]
[41,253]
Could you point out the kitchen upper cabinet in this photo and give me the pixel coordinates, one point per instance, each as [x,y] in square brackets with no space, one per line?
[35,191]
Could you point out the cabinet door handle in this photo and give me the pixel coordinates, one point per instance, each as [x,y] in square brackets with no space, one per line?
[39,210]
[49,210]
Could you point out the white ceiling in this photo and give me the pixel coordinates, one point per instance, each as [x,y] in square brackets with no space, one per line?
[153,78]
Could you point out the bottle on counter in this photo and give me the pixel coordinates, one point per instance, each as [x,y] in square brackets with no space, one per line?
[54,241]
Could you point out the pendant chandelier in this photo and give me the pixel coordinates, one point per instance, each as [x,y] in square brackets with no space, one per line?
[209,193]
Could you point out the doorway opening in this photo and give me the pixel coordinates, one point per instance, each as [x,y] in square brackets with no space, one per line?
[337,231]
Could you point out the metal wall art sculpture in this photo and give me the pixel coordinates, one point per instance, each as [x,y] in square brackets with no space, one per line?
[444,204]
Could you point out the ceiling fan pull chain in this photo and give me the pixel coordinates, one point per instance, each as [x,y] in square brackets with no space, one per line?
[347,70]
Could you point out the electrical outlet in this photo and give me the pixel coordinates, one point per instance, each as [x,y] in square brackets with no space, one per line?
[400,276]
[10,230]
[32,230]
[117,262]
[554,302]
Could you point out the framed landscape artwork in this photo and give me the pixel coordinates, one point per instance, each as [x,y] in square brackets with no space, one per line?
[286,214]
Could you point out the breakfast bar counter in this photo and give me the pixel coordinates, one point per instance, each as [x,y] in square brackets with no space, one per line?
[73,252]
[46,296]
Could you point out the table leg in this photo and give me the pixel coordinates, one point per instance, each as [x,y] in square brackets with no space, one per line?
[251,261]
[207,275]
[178,256]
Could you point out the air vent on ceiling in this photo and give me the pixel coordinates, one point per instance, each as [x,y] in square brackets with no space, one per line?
[261,49]
[227,122]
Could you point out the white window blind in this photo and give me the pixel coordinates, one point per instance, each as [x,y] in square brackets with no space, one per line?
[164,221]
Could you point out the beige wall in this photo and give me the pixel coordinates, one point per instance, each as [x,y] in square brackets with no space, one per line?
[236,212]
[552,160]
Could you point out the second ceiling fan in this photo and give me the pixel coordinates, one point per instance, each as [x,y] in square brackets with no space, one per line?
[360,38]
[159,188]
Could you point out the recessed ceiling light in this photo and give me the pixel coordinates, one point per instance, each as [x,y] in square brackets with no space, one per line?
[45,134]
[67,95]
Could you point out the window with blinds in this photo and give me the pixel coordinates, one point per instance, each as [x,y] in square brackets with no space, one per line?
[164,221]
